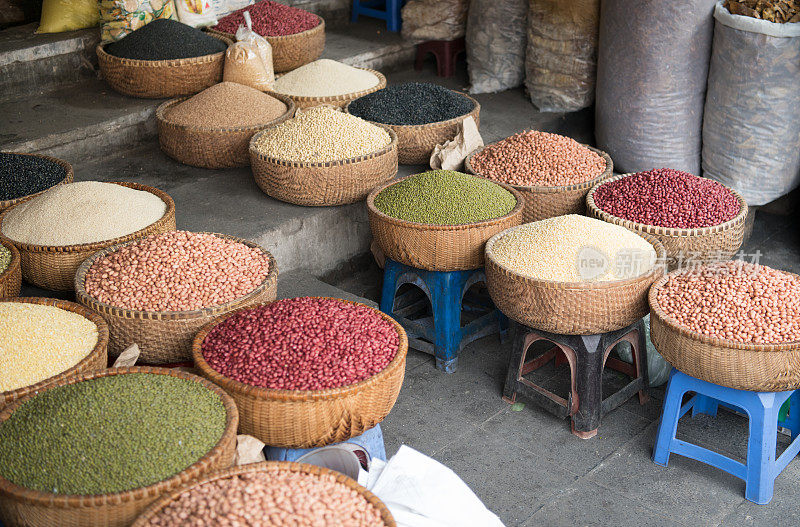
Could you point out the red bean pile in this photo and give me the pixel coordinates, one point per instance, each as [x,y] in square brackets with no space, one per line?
[302,344]
[275,499]
[735,301]
[668,198]
[270,19]
[534,158]
[177,271]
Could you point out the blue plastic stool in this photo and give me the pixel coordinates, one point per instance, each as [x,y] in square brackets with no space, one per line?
[762,409]
[371,441]
[440,333]
[370,8]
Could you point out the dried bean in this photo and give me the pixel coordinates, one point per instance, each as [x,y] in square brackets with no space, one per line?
[412,103]
[270,19]
[21,175]
[165,39]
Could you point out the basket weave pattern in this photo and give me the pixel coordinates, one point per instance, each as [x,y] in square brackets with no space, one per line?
[11,278]
[68,178]
[338,101]
[22,506]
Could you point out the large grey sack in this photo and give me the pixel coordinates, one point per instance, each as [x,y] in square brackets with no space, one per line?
[496,37]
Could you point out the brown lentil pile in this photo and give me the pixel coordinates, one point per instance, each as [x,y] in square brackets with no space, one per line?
[534,158]
[227,105]
[274,499]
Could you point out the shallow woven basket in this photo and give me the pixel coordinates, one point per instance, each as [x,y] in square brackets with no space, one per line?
[161,79]
[702,245]
[209,147]
[337,101]
[744,366]
[96,360]
[289,52]
[415,143]
[268,466]
[165,337]
[311,418]
[437,247]
[548,202]
[33,508]
[321,184]
[53,267]
[570,308]
[68,178]
[11,278]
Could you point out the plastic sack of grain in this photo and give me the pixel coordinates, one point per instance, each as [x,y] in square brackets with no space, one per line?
[434,19]
[197,13]
[249,60]
[751,128]
[67,15]
[652,66]
[496,35]
[120,17]
[561,59]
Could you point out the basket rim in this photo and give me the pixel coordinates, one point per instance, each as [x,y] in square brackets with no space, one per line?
[319,27]
[580,286]
[15,262]
[323,164]
[540,189]
[655,309]
[103,55]
[296,395]
[163,121]
[94,246]
[327,99]
[675,232]
[476,108]
[73,307]
[84,297]
[69,175]
[265,466]
[373,210]
[48,499]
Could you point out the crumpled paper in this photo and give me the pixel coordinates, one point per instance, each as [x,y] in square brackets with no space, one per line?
[249,450]
[451,154]
[128,357]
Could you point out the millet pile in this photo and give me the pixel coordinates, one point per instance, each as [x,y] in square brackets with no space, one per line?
[226,105]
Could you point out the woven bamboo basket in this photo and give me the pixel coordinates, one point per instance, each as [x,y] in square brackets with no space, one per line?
[744,366]
[54,267]
[33,508]
[96,360]
[415,143]
[327,416]
[165,337]
[321,184]
[11,278]
[548,202]
[570,308]
[161,79]
[701,245]
[269,467]
[337,101]
[208,147]
[68,178]
[437,247]
[289,52]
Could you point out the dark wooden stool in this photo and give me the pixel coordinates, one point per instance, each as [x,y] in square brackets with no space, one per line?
[445,51]
[587,355]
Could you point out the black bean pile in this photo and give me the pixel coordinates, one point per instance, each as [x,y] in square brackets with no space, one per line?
[22,175]
[412,103]
[165,39]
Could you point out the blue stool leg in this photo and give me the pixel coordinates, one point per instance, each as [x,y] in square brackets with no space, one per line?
[356,8]
[762,409]
[669,417]
[393,15]
[390,273]
[704,405]
[446,292]
[792,421]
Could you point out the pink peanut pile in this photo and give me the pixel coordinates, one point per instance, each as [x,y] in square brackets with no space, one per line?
[668,198]
[276,499]
[302,344]
[534,158]
[735,301]
[177,271]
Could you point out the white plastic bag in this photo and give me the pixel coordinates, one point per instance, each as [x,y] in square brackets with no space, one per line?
[496,35]
[197,13]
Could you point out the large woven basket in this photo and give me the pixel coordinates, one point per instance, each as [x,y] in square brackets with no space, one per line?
[68,178]
[289,52]
[165,337]
[54,267]
[338,101]
[162,79]
[415,143]
[96,360]
[744,366]
[328,183]
[570,308]
[548,202]
[313,418]
[33,508]
[269,467]
[695,246]
[437,247]
[11,278]
[209,147]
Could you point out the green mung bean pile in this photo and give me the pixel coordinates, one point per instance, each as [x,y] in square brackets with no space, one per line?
[110,434]
[445,197]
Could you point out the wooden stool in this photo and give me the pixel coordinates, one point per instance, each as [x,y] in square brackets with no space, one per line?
[445,52]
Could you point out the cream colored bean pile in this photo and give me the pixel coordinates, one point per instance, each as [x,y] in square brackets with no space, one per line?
[325,78]
[38,342]
[84,212]
[557,249]
[322,134]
